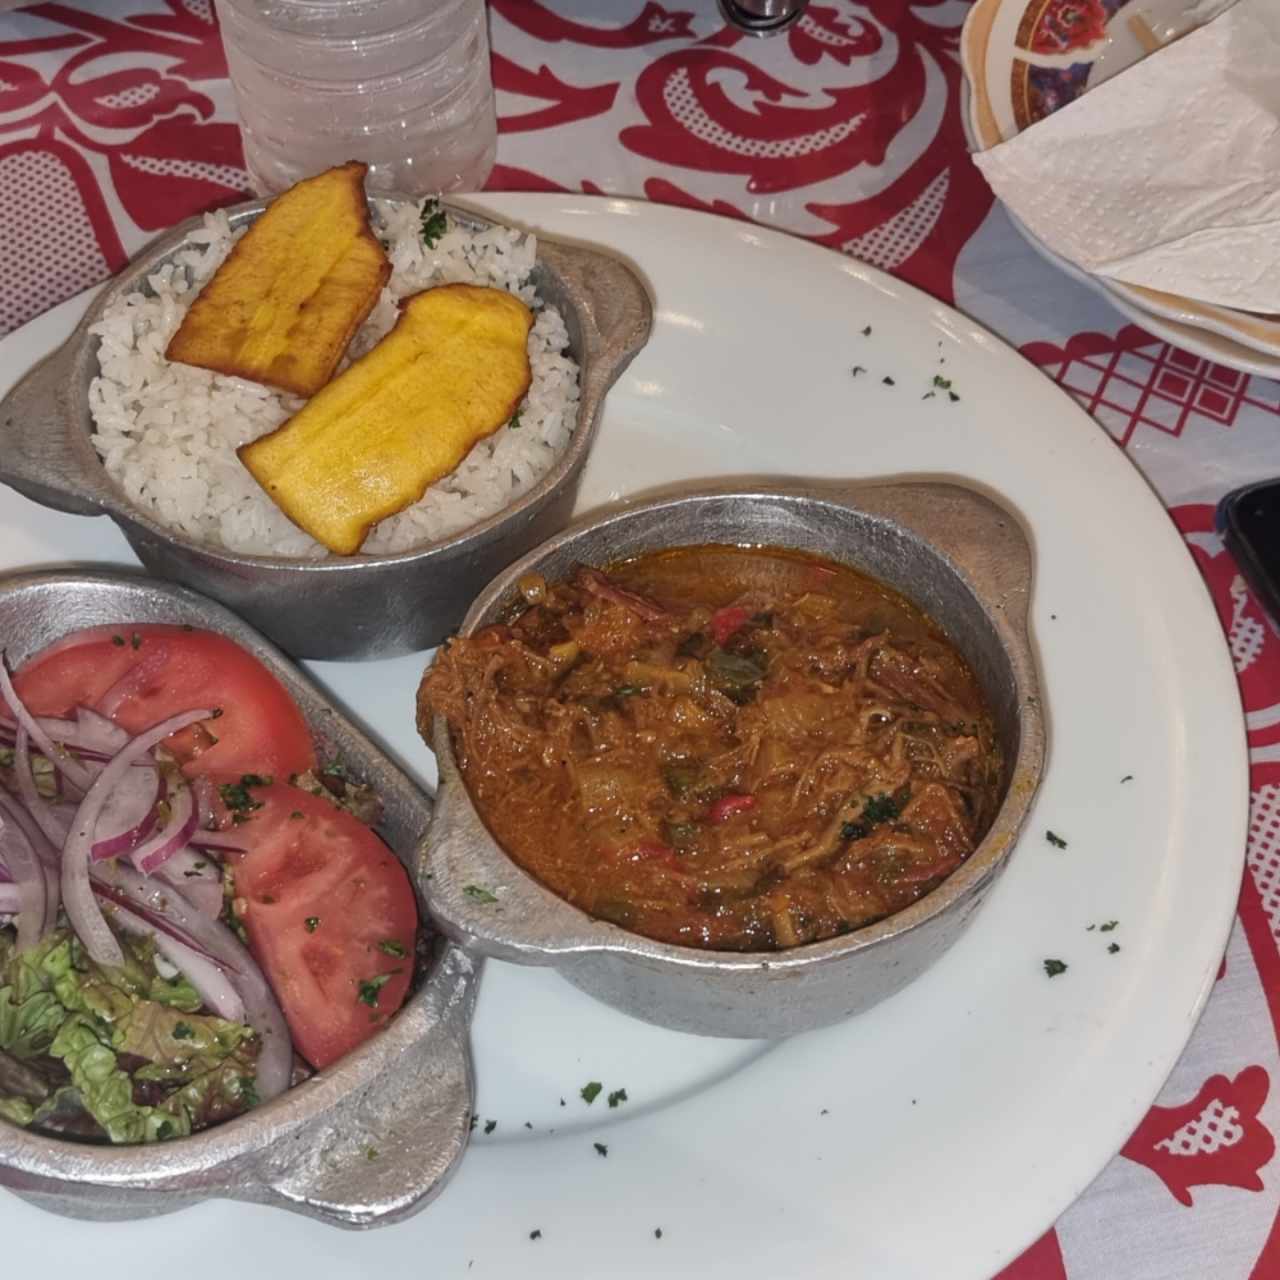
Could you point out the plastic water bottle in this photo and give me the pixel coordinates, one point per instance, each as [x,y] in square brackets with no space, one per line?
[403,85]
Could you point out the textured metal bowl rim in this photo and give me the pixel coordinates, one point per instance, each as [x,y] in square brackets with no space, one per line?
[500,934]
[101,494]
[443,999]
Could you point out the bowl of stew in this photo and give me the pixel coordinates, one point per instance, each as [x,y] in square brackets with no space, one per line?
[738,762]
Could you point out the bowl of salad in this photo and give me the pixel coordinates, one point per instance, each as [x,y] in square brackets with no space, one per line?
[214,981]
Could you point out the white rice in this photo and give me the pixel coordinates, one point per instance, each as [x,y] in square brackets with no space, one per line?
[168,433]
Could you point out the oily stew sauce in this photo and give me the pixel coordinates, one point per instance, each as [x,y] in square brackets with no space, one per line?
[730,748]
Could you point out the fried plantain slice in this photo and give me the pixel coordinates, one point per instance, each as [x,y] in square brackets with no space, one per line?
[452,371]
[298,284]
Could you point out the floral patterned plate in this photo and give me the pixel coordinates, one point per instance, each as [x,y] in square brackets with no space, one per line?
[1025,59]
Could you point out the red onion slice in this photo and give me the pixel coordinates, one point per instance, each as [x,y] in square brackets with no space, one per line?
[129,813]
[197,877]
[28,887]
[214,986]
[152,854]
[74,770]
[262,1011]
[220,841]
[37,806]
[46,856]
[77,895]
[137,677]
[95,732]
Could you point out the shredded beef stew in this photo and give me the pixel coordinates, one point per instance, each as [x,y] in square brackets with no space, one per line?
[739,749]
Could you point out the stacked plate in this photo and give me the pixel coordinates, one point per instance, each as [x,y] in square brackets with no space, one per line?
[1024,60]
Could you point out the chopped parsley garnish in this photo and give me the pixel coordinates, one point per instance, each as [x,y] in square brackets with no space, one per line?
[435,222]
[1054,967]
[601,1148]
[951,395]
[248,1091]
[390,947]
[1056,840]
[311,924]
[477,894]
[235,795]
[370,987]
[657,1233]
[943,384]
[1128,777]
[183,1031]
[866,333]
[136,640]
[164,1129]
[118,641]
[1113,947]
[535,1234]
[888,381]
[877,809]
[515,424]
[617,1098]
[590,1092]
[1111,924]
[490,1126]
[371,1153]
[857,369]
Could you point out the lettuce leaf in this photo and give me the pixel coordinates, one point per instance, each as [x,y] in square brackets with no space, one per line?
[106,1091]
[16,1110]
[183,1069]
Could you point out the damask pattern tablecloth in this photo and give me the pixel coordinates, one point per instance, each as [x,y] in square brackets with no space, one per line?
[116,120]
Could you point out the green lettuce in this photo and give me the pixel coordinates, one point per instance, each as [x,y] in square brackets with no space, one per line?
[183,1069]
[16,1110]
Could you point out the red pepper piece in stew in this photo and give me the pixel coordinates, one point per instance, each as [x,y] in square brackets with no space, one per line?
[727,622]
[730,806]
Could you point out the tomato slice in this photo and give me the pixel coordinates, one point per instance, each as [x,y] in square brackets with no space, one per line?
[138,675]
[331,917]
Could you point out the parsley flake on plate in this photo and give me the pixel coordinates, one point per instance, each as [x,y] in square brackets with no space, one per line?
[601,1148]
[1054,967]
[616,1098]
[1056,840]
[478,894]
[590,1092]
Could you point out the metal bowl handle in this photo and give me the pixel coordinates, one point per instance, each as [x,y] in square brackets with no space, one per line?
[38,457]
[382,1156]
[614,309]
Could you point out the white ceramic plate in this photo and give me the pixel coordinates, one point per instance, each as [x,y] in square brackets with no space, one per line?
[939,1134]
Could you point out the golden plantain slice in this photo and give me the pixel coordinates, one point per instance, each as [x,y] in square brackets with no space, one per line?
[284,305]
[452,371]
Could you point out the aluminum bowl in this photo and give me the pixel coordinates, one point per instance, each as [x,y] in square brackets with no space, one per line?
[960,557]
[339,607]
[405,1094]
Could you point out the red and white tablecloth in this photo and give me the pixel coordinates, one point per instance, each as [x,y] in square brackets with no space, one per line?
[116,120]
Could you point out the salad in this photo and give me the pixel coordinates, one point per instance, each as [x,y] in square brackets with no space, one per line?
[194,912]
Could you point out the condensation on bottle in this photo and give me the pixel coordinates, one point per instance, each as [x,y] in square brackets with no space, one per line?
[403,85]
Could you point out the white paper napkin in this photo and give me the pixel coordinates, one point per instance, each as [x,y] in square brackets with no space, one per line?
[1168,174]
